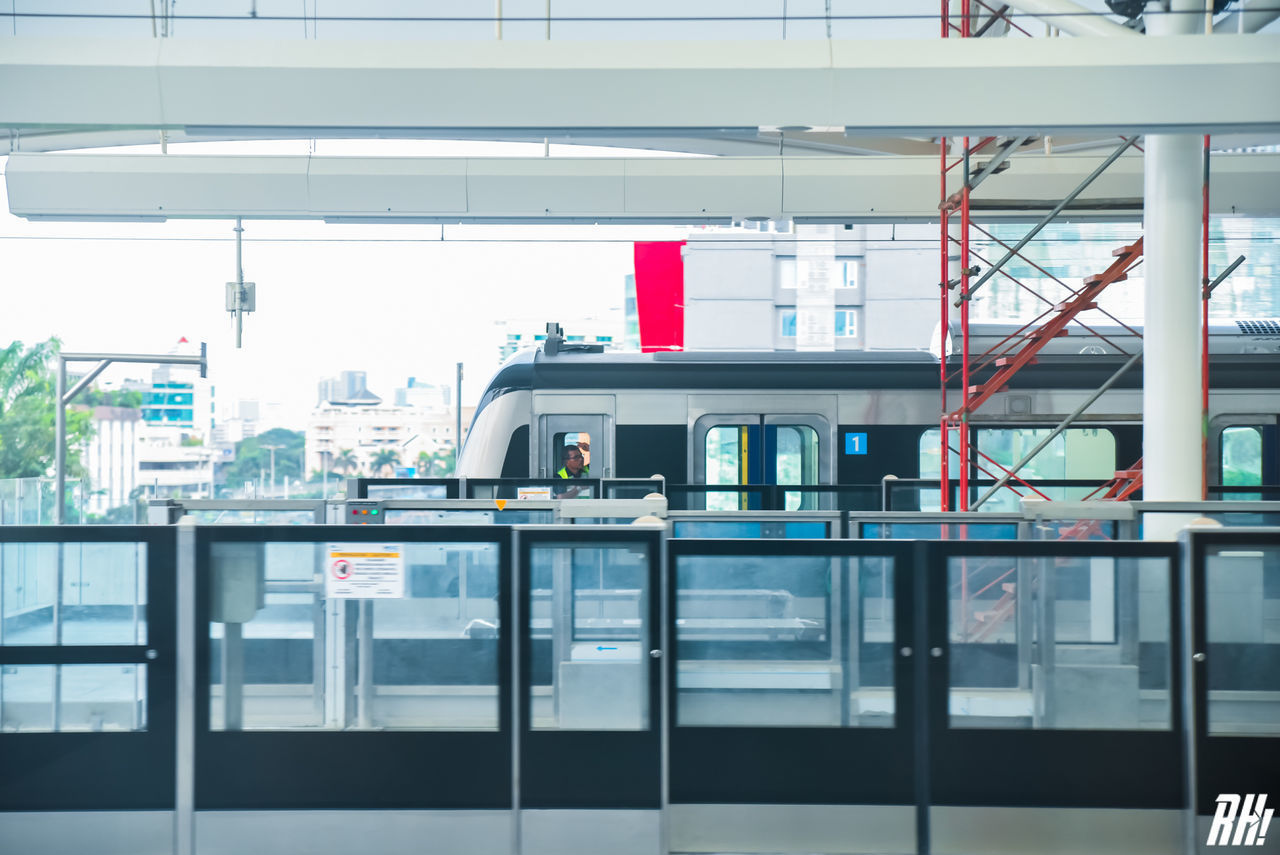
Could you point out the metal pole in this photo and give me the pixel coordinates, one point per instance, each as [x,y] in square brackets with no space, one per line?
[60,441]
[1013,470]
[457,426]
[239,286]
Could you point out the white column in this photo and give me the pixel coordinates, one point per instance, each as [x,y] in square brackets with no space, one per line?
[1173,181]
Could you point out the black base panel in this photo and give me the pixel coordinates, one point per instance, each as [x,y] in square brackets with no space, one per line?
[1058,768]
[355,771]
[588,769]
[758,765]
[86,771]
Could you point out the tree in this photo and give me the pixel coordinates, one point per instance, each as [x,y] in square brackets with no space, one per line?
[253,456]
[387,458]
[345,461]
[27,414]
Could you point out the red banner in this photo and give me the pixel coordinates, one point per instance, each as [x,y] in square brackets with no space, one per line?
[660,295]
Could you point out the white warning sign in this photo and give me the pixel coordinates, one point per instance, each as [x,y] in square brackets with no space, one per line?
[364,571]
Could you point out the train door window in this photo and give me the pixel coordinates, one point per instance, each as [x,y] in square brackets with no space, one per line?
[795,460]
[743,451]
[1241,456]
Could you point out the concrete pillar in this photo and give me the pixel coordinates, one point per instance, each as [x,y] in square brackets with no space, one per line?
[1171,367]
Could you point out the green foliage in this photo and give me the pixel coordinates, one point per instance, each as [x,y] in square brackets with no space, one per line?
[437,464]
[345,462]
[386,458]
[253,457]
[95,397]
[27,414]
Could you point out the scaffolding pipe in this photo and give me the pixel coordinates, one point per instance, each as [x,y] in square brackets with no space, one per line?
[1204,328]
[1048,218]
[1063,425]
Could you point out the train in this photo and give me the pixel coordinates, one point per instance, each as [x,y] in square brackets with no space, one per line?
[808,420]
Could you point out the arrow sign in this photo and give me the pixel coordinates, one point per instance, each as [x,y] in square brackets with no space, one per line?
[501,503]
[606,648]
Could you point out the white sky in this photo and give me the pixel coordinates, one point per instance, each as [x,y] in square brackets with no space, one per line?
[395,301]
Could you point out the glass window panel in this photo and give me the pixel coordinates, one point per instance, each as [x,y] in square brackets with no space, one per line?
[589,637]
[84,698]
[773,642]
[1241,460]
[797,463]
[787,274]
[102,598]
[252,517]
[931,467]
[408,491]
[1242,601]
[1076,453]
[1086,649]
[724,448]
[787,323]
[284,656]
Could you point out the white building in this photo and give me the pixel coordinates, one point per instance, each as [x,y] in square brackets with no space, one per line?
[110,457]
[167,467]
[422,420]
[748,290]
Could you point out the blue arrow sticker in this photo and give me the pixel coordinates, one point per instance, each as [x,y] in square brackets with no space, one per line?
[606,648]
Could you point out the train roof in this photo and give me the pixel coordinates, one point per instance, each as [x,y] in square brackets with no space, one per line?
[581,368]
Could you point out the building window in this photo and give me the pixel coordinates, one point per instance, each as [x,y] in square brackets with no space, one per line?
[787,323]
[846,323]
[846,272]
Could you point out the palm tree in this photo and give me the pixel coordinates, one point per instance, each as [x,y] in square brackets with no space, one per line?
[386,458]
[345,461]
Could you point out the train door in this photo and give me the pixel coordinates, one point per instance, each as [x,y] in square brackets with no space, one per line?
[590,692]
[755,450]
[582,421]
[1234,652]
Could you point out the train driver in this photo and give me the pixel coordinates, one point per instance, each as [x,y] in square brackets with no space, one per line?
[575,465]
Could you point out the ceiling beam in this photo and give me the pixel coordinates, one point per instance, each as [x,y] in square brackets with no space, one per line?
[683,190]
[1200,84]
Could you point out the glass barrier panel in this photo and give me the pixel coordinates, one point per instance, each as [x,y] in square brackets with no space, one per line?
[101,600]
[589,637]
[286,655]
[1067,643]
[751,530]
[252,517]
[67,698]
[1242,602]
[408,491]
[1048,529]
[468,516]
[939,531]
[790,641]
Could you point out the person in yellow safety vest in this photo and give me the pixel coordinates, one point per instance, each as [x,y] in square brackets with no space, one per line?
[574,463]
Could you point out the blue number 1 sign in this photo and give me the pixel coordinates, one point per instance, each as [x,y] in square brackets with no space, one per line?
[855,443]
